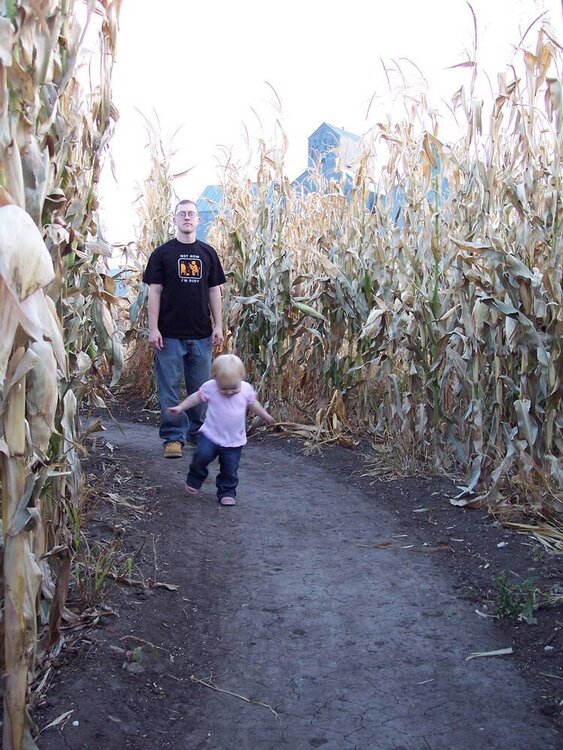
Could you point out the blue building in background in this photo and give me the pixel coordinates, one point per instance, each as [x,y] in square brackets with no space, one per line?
[208,206]
[330,150]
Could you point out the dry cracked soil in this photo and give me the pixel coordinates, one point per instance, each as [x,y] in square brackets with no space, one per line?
[325,610]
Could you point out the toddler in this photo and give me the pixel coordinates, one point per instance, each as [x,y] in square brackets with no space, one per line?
[223,432]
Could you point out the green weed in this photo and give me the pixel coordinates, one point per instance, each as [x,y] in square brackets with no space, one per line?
[92,566]
[519,600]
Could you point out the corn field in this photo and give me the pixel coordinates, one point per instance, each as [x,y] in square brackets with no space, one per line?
[432,321]
[58,338]
[154,228]
[418,303]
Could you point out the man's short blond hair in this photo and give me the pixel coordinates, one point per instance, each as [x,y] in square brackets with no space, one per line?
[228,366]
[183,203]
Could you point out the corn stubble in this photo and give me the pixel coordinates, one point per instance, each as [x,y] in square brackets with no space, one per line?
[437,315]
[56,332]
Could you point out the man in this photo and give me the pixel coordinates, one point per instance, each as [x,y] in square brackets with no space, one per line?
[184,305]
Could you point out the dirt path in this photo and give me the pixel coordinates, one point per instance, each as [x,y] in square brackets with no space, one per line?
[286,600]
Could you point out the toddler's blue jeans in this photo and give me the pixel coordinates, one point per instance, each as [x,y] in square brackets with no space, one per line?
[229,459]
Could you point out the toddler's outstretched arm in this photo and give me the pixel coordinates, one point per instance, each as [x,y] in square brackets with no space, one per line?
[259,410]
[187,403]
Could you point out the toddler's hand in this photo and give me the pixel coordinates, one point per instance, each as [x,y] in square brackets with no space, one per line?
[176,410]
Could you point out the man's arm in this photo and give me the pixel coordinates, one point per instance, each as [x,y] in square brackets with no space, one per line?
[155,338]
[216,306]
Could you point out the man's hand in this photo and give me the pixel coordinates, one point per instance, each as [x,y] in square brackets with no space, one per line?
[155,339]
[217,337]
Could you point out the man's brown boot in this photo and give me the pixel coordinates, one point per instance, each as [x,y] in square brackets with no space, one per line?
[173,449]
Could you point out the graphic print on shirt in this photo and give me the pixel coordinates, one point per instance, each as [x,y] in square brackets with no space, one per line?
[189,268]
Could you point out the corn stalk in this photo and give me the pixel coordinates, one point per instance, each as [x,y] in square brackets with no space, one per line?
[57,333]
[425,290]
[154,211]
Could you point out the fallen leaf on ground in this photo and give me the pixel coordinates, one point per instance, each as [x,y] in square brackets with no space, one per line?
[498,652]
[147,583]
[63,717]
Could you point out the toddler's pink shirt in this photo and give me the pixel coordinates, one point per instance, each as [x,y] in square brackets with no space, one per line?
[225,420]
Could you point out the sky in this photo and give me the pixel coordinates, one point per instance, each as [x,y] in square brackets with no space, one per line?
[208,72]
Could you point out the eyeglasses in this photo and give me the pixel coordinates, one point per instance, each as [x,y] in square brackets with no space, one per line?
[189,214]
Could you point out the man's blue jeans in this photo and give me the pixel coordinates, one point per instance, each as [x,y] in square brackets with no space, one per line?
[189,359]
[229,459]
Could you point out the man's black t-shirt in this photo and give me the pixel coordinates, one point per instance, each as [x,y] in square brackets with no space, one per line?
[186,271]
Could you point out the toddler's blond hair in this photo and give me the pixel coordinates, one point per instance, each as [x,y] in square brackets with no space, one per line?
[227,366]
